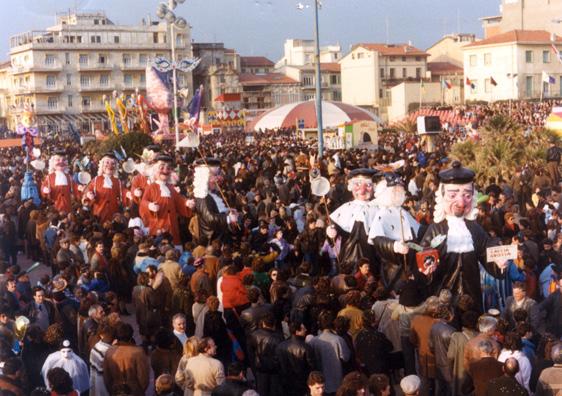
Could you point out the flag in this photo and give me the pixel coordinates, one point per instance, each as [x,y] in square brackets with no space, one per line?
[468,82]
[547,78]
[493,82]
[447,84]
[556,52]
[194,107]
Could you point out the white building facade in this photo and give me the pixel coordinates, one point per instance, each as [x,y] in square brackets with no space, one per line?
[515,61]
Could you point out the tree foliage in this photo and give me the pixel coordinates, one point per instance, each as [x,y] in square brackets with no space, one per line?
[502,146]
[133,144]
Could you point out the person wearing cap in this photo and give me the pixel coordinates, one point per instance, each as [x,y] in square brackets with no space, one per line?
[354,218]
[215,218]
[71,363]
[141,180]
[463,241]
[58,187]
[161,204]
[392,227]
[410,385]
[105,193]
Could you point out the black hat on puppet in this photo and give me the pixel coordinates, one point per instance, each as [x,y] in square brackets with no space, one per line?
[456,174]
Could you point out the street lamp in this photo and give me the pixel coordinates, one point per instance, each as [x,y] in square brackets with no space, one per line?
[165,11]
[317,5]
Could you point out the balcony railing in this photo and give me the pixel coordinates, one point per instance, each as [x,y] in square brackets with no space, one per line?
[50,67]
[94,66]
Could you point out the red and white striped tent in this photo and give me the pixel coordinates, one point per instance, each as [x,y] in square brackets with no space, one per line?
[334,114]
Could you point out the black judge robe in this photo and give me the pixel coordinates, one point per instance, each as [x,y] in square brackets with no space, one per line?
[459,272]
[212,223]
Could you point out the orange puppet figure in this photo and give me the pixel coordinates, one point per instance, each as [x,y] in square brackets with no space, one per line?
[58,187]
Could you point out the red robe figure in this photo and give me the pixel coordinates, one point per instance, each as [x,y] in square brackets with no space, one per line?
[105,194]
[161,204]
[141,180]
[58,188]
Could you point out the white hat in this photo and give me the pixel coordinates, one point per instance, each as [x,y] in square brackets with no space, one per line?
[410,384]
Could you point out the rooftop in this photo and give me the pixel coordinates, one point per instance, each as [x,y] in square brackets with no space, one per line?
[518,36]
[265,79]
[255,61]
[392,49]
[443,68]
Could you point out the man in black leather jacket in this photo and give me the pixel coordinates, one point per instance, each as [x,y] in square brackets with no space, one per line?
[261,352]
[235,383]
[296,361]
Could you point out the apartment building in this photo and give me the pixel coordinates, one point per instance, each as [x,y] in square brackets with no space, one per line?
[256,65]
[65,70]
[299,52]
[511,65]
[370,70]
[525,15]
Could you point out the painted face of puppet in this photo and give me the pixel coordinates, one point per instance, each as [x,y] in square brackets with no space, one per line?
[108,166]
[458,199]
[27,119]
[59,163]
[361,188]
[66,353]
[163,171]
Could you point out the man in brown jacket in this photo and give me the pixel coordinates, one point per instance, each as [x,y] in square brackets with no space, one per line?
[419,337]
[483,370]
[486,327]
[126,363]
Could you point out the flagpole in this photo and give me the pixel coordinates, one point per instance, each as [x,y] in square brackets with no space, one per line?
[420,95]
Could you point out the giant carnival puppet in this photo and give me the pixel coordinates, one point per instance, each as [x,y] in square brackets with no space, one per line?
[161,204]
[215,219]
[461,241]
[392,228]
[58,187]
[142,179]
[354,218]
[105,194]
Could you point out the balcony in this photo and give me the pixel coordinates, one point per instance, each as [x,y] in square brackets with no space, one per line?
[45,68]
[92,108]
[94,66]
[133,66]
[45,109]
[39,89]
[96,88]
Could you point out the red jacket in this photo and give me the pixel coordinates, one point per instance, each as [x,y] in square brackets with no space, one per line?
[234,294]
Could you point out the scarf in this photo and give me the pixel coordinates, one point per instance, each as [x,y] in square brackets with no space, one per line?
[60,179]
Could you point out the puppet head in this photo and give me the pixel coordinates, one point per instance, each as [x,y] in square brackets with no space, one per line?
[360,183]
[162,169]
[108,166]
[207,176]
[58,162]
[390,191]
[455,194]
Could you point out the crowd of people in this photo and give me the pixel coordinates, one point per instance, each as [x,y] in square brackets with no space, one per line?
[223,271]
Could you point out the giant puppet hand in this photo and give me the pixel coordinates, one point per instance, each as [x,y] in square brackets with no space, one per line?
[153,207]
[138,192]
[232,216]
[190,203]
[46,190]
[90,195]
[400,247]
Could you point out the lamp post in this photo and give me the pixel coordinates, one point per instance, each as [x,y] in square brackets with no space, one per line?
[318,76]
[166,12]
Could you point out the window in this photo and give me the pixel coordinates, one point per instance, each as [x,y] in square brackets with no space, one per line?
[472,60]
[529,56]
[382,72]
[104,80]
[487,86]
[52,103]
[116,39]
[86,101]
[155,38]
[126,60]
[102,59]
[69,100]
[78,39]
[50,60]
[51,81]
[392,72]
[143,78]
[418,58]
[392,58]
[404,74]
[128,79]
[67,58]
[529,86]
[334,80]
[83,59]
[360,55]
[488,59]
[307,81]
[380,92]
[143,59]
[418,72]
[96,21]
[546,57]
[95,39]
[403,59]
[69,79]
[84,81]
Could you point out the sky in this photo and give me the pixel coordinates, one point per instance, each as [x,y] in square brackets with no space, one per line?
[260,27]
